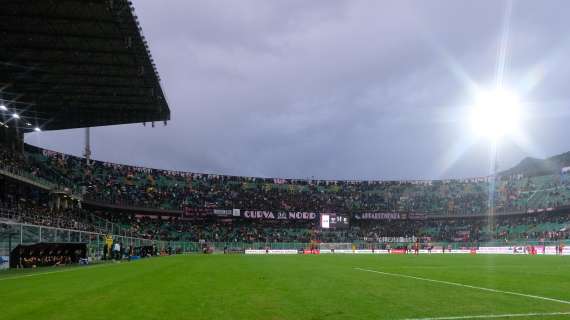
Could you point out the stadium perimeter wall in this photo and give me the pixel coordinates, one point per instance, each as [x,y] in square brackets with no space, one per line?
[26,234]
[30,234]
[517,250]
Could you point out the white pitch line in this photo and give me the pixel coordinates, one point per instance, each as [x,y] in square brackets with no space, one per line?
[496,316]
[91,266]
[39,273]
[465,286]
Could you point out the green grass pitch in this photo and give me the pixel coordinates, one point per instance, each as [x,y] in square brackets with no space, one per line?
[295,287]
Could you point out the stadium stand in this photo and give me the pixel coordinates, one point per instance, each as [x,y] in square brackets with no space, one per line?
[129,186]
[179,206]
[62,67]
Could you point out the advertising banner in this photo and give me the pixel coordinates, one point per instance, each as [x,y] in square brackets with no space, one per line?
[417,216]
[472,251]
[501,250]
[220,212]
[190,212]
[553,250]
[4,262]
[271,252]
[390,216]
[378,216]
[325,221]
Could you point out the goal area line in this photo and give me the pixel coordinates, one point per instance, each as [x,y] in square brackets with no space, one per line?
[490,316]
[449,283]
[496,316]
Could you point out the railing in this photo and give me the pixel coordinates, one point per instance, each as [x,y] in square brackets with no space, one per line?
[98,225]
[28,177]
[509,243]
[10,171]
[15,233]
[100,201]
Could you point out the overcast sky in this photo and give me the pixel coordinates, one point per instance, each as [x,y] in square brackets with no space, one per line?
[341,89]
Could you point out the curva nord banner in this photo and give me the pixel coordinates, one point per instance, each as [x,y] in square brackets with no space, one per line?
[190,212]
[248,214]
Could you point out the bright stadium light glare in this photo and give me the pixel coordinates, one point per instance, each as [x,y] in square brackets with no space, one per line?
[3,107]
[16,116]
[495,114]
[37,129]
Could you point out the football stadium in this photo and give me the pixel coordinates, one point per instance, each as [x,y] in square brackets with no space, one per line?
[83,237]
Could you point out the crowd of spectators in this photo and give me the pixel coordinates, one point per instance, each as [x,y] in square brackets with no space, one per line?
[72,219]
[161,189]
[537,227]
[456,200]
[20,164]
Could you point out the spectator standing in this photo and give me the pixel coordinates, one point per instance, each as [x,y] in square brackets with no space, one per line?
[116,251]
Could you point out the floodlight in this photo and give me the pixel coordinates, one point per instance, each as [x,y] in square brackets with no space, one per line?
[495,114]
[3,107]
[16,116]
[37,129]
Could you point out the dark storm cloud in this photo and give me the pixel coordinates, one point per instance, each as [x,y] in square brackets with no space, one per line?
[338,89]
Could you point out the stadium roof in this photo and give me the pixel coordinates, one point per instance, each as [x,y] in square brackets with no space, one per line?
[77,63]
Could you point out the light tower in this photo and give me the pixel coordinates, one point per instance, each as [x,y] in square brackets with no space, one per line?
[87,153]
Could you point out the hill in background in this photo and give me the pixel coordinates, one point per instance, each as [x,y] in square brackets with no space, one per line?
[534,167]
